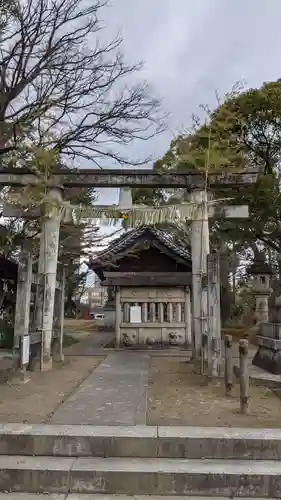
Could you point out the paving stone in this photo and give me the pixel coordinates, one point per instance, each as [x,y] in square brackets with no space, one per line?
[114,394]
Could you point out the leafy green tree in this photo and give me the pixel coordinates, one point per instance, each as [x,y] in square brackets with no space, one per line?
[244,131]
[73,238]
[259,143]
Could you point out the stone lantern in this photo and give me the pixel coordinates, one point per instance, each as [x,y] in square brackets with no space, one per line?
[262,272]
[268,355]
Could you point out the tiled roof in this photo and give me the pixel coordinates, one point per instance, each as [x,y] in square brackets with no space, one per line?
[128,239]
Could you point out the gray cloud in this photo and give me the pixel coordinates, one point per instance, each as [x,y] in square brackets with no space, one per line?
[190,49]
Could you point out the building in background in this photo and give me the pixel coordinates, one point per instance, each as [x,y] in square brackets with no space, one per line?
[96,296]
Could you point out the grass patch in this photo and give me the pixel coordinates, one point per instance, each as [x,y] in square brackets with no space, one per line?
[178,396]
[69,340]
[78,325]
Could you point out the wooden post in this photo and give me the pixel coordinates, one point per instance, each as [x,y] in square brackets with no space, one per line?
[39,300]
[62,293]
[22,313]
[59,321]
[187,317]
[38,307]
[228,365]
[244,375]
[214,320]
[118,317]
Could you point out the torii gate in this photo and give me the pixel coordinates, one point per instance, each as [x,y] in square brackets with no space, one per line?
[190,180]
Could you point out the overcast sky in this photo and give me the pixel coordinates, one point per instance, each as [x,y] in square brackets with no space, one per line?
[191,48]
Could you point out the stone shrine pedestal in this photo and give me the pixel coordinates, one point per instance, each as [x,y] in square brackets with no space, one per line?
[268,355]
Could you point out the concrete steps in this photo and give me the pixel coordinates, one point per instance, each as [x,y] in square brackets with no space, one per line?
[156,461]
[39,496]
[140,441]
[141,476]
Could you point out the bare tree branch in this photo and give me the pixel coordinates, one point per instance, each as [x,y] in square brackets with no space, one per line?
[62,89]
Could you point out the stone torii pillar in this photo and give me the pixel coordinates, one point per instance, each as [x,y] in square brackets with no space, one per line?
[22,312]
[214,316]
[47,275]
[200,250]
[48,260]
[47,268]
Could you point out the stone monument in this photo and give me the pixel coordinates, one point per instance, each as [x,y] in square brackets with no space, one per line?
[268,355]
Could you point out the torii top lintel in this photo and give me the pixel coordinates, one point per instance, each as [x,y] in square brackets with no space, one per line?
[133,178]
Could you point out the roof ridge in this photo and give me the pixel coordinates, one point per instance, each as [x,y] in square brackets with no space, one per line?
[125,239]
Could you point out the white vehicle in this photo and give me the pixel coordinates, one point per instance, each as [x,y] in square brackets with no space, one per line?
[97,315]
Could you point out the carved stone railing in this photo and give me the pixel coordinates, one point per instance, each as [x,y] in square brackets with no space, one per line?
[156,312]
[165,317]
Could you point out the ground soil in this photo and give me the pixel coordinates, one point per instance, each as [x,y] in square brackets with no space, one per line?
[80,327]
[176,396]
[37,400]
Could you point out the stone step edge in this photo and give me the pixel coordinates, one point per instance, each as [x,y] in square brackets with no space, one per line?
[106,496]
[140,465]
[140,432]
[217,478]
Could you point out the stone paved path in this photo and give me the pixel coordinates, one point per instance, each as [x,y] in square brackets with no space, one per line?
[90,346]
[114,394]
[36,401]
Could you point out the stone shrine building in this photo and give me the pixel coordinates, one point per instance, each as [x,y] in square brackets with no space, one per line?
[148,275]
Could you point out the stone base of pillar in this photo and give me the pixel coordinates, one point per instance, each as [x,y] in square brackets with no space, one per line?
[19,376]
[35,364]
[16,359]
[47,364]
[57,353]
[58,358]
